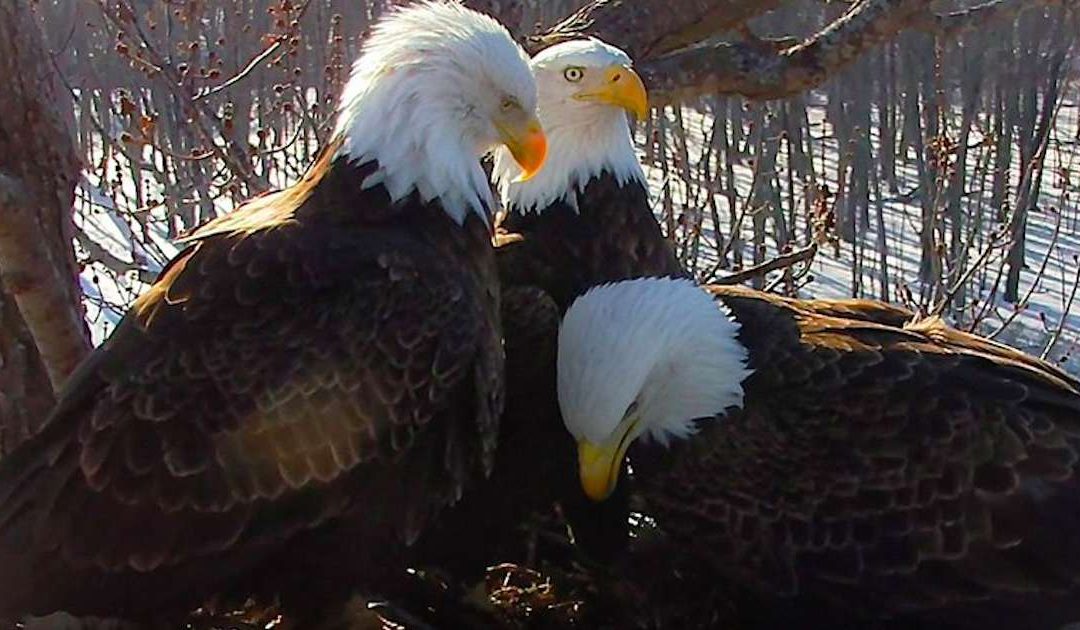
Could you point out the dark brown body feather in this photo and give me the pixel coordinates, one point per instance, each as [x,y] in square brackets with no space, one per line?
[319,372]
[916,473]
[545,260]
[611,236]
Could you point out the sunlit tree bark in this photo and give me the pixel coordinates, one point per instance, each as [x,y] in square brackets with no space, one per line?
[42,335]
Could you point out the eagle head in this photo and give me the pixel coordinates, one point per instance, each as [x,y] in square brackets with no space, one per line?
[435,87]
[586,88]
[643,358]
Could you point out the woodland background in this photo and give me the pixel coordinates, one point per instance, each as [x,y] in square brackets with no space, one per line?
[916,151]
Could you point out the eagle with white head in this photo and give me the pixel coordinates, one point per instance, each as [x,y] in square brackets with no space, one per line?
[586,88]
[835,455]
[583,220]
[312,379]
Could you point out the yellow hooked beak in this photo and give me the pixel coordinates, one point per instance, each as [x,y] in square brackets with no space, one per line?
[599,464]
[621,87]
[524,137]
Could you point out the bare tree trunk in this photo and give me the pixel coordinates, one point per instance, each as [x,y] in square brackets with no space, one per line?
[1037,125]
[728,145]
[971,90]
[43,332]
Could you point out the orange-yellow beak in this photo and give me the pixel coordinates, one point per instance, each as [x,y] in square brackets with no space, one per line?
[527,143]
[599,464]
[621,87]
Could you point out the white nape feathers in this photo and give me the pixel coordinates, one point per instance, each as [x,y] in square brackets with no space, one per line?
[585,137]
[424,98]
[663,345]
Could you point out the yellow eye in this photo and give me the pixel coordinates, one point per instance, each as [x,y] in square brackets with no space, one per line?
[509,103]
[574,74]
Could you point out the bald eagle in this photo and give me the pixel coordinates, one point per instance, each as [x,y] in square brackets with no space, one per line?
[585,218]
[313,378]
[582,220]
[914,472]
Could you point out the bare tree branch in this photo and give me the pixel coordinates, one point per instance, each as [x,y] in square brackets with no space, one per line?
[756,72]
[648,28]
[267,52]
[1056,335]
[38,173]
[957,22]
[664,41]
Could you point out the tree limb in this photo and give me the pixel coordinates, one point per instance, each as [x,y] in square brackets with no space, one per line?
[668,39]
[755,72]
[950,25]
[30,276]
[38,173]
[648,28]
[665,41]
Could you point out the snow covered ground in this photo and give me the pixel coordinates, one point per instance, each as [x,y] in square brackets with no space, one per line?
[1048,251]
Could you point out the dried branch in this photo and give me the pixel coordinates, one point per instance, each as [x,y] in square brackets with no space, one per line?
[996,240]
[246,71]
[780,262]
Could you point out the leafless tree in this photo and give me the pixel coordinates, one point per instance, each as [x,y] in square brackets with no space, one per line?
[43,336]
[182,110]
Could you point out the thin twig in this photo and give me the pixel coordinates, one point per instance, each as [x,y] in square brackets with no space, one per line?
[780,262]
[1064,315]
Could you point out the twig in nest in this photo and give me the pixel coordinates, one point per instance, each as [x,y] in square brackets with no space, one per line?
[521,594]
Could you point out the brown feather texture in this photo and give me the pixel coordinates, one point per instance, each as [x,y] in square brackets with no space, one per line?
[610,235]
[544,261]
[583,220]
[314,362]
[881,471]
[312,380]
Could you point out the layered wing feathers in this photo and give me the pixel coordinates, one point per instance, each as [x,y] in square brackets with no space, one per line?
[259,372]
[888,468]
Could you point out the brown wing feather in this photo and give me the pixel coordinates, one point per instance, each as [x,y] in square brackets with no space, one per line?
[850,308]
[544,261]
[268,382]
[887,469]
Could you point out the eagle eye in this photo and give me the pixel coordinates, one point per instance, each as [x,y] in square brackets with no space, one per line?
[574,74]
